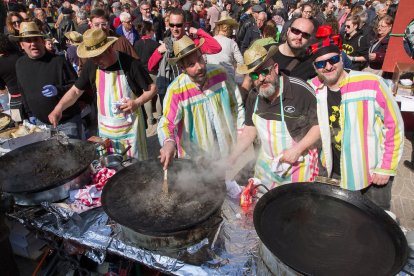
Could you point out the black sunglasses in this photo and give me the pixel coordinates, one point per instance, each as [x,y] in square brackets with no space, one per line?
[255,75]
[179,25]
[348,26]
[16,22]
[322,63]
[305,35]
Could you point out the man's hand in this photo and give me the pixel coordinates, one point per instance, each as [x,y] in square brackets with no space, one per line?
[192,30]
[49,90]
[291,155]
[372,56]
[167,153]
[129,105]
[380,179]
[55,116]
[162,49]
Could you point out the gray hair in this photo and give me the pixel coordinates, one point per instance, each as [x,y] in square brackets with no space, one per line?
[82,15]
[379,7]
[124,16]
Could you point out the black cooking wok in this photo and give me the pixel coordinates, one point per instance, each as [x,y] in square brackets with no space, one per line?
[319,229]
[134,199]
[44,165]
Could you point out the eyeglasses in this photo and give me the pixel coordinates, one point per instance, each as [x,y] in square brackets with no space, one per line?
[307,11]
[146,9]
[17,22]
[178,25]
[322,63]
[295,31]
[255,75]
[128,22]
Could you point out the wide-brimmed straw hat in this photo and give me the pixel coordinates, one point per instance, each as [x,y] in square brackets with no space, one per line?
[228,20]
[95,42]
[29,29]
[183,47]
[254,57]
[74,37]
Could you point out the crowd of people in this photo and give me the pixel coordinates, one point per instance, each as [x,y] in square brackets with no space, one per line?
[302,79]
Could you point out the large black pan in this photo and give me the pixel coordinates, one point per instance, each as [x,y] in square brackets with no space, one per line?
[318,229]
[134,199]
[44,165]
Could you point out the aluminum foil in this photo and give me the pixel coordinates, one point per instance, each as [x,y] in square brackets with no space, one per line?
[233,249]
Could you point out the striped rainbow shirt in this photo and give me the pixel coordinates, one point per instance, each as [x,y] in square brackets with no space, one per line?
[372,129]
[202,122]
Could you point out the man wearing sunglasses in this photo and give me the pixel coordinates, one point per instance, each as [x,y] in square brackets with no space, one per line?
[291,57]
[167,72]
[281,112]
[362,131]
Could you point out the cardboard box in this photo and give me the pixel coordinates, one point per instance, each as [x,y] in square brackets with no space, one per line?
[7,145]
[400,69]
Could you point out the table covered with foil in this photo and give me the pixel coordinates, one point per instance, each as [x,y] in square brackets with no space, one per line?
[234,250]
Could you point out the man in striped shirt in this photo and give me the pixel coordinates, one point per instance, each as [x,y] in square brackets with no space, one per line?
[202,109]
[361,126]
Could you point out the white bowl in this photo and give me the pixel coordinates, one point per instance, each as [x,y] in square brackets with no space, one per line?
[406,82]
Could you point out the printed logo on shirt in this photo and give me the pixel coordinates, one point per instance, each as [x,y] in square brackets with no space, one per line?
[289,109]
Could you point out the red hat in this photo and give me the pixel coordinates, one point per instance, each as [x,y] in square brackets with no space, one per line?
[328,43]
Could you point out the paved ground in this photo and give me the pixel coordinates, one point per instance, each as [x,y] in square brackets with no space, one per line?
[402,203]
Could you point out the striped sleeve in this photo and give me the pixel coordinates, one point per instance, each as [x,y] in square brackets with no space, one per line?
[171,115]
[392,130]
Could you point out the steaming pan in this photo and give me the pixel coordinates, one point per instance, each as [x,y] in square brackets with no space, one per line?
[133,197]
[44,165]
[320,229]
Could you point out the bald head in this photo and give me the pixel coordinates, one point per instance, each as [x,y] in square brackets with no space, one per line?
[299,33]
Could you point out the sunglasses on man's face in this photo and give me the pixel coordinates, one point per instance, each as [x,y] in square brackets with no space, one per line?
[322,63]
[179,25]
[295,31]
[255,75]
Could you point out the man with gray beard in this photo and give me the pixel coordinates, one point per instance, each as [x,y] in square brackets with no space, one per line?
[281,111]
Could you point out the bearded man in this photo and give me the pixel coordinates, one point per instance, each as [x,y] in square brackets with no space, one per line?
[203,110]
[361,126]
[292,58]
[281,111]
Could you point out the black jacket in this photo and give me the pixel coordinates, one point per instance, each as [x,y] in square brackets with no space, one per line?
[246,21]
[252,34]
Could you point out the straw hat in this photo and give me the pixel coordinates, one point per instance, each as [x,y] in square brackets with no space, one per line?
[254,57]
[74,37]
[183,47]
[228,20]
[95,42]
[29,29]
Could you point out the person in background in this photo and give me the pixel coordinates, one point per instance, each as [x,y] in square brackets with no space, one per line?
[281,112]
[116,11]
[254,32]
[362,131]
[204,110]
[73,39]
[355,45]
[82,21]
[122,87]
[49,45]
[345,10]
[145,47]
[230,54]
[146,15]
[378,47]
[168,72]
[43,79]
[9,54]
[13,22]
[327,10]
[45,29]
[127,29]
[213,14]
